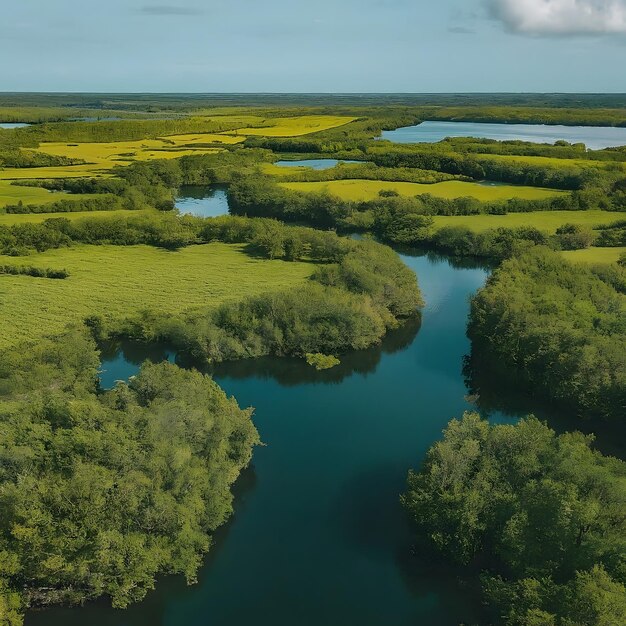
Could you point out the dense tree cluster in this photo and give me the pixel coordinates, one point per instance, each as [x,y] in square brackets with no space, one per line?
[100,492]
[542,515]
[560,329]
[361,291]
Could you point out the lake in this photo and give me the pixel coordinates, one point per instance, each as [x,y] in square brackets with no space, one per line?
[318,536]
[314,164]
[10,125]
[594,137]
[203,200]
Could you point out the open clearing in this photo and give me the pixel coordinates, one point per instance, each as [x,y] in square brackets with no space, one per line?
[117,281]
[12,194]
[202,138]
[120,152]
[547,221]
[295,126]
[369,190]
[595,255]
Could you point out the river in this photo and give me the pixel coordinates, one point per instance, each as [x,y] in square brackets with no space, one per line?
[318,535]
[594,137]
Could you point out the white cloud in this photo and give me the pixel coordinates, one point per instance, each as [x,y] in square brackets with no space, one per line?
[561,17]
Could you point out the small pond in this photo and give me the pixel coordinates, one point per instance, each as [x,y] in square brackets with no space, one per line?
[203,200]
[10,125]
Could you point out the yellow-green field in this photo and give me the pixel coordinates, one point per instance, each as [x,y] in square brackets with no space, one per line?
[12,194]
[547,221]
[94,170]
[202,138]
[9,219]
[117,281]
[595,255]
[296,126]
[120,152]
[356,190]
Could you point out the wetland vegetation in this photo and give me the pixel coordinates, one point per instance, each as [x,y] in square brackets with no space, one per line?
[115,229]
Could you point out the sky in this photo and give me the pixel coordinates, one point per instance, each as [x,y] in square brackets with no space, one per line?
[416,46]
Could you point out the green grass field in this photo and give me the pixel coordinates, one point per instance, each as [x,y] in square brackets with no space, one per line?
[9,219]
[56,171]
[12,194]
[547,221]
[117,281]
[595,255]
[296,126]
[356,190]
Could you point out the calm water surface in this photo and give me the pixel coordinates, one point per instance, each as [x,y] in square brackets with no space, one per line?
[318,536]
[203,200]
[315,164]
[594,137]
[9,125]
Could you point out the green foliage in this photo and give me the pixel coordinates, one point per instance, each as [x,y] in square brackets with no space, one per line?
[36,272]
[100,492]
[543,512]
[348,305]
[560,330]
[321,361]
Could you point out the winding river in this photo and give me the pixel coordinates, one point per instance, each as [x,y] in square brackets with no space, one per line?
[318,535]
[318,531]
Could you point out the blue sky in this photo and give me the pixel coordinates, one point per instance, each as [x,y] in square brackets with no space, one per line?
[321,46]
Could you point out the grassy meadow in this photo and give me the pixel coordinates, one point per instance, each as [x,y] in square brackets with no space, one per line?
[121,152]
[12,194]
[297,126]
[117,281]
[547,221]
[360,190]
[595,255]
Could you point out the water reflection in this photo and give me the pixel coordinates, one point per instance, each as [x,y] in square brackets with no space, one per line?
[203,200]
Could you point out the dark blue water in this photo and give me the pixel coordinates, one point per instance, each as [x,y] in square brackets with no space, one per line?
[594,137]
[318,536]
[314,164]
[203,200]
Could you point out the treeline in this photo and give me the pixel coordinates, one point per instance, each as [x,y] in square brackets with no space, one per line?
[408,221]
[541,515]
[71,205]
[101,492]
[480,167]
[23,158]
[558,150]
[559,332]
[144,184]
[527,115]
[362,291]
[120,130]
[35,272]
[369,171]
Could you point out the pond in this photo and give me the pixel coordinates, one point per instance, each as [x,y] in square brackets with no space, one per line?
[594,137]
[314,164]
[203,200]
[318,535]
[10,125]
